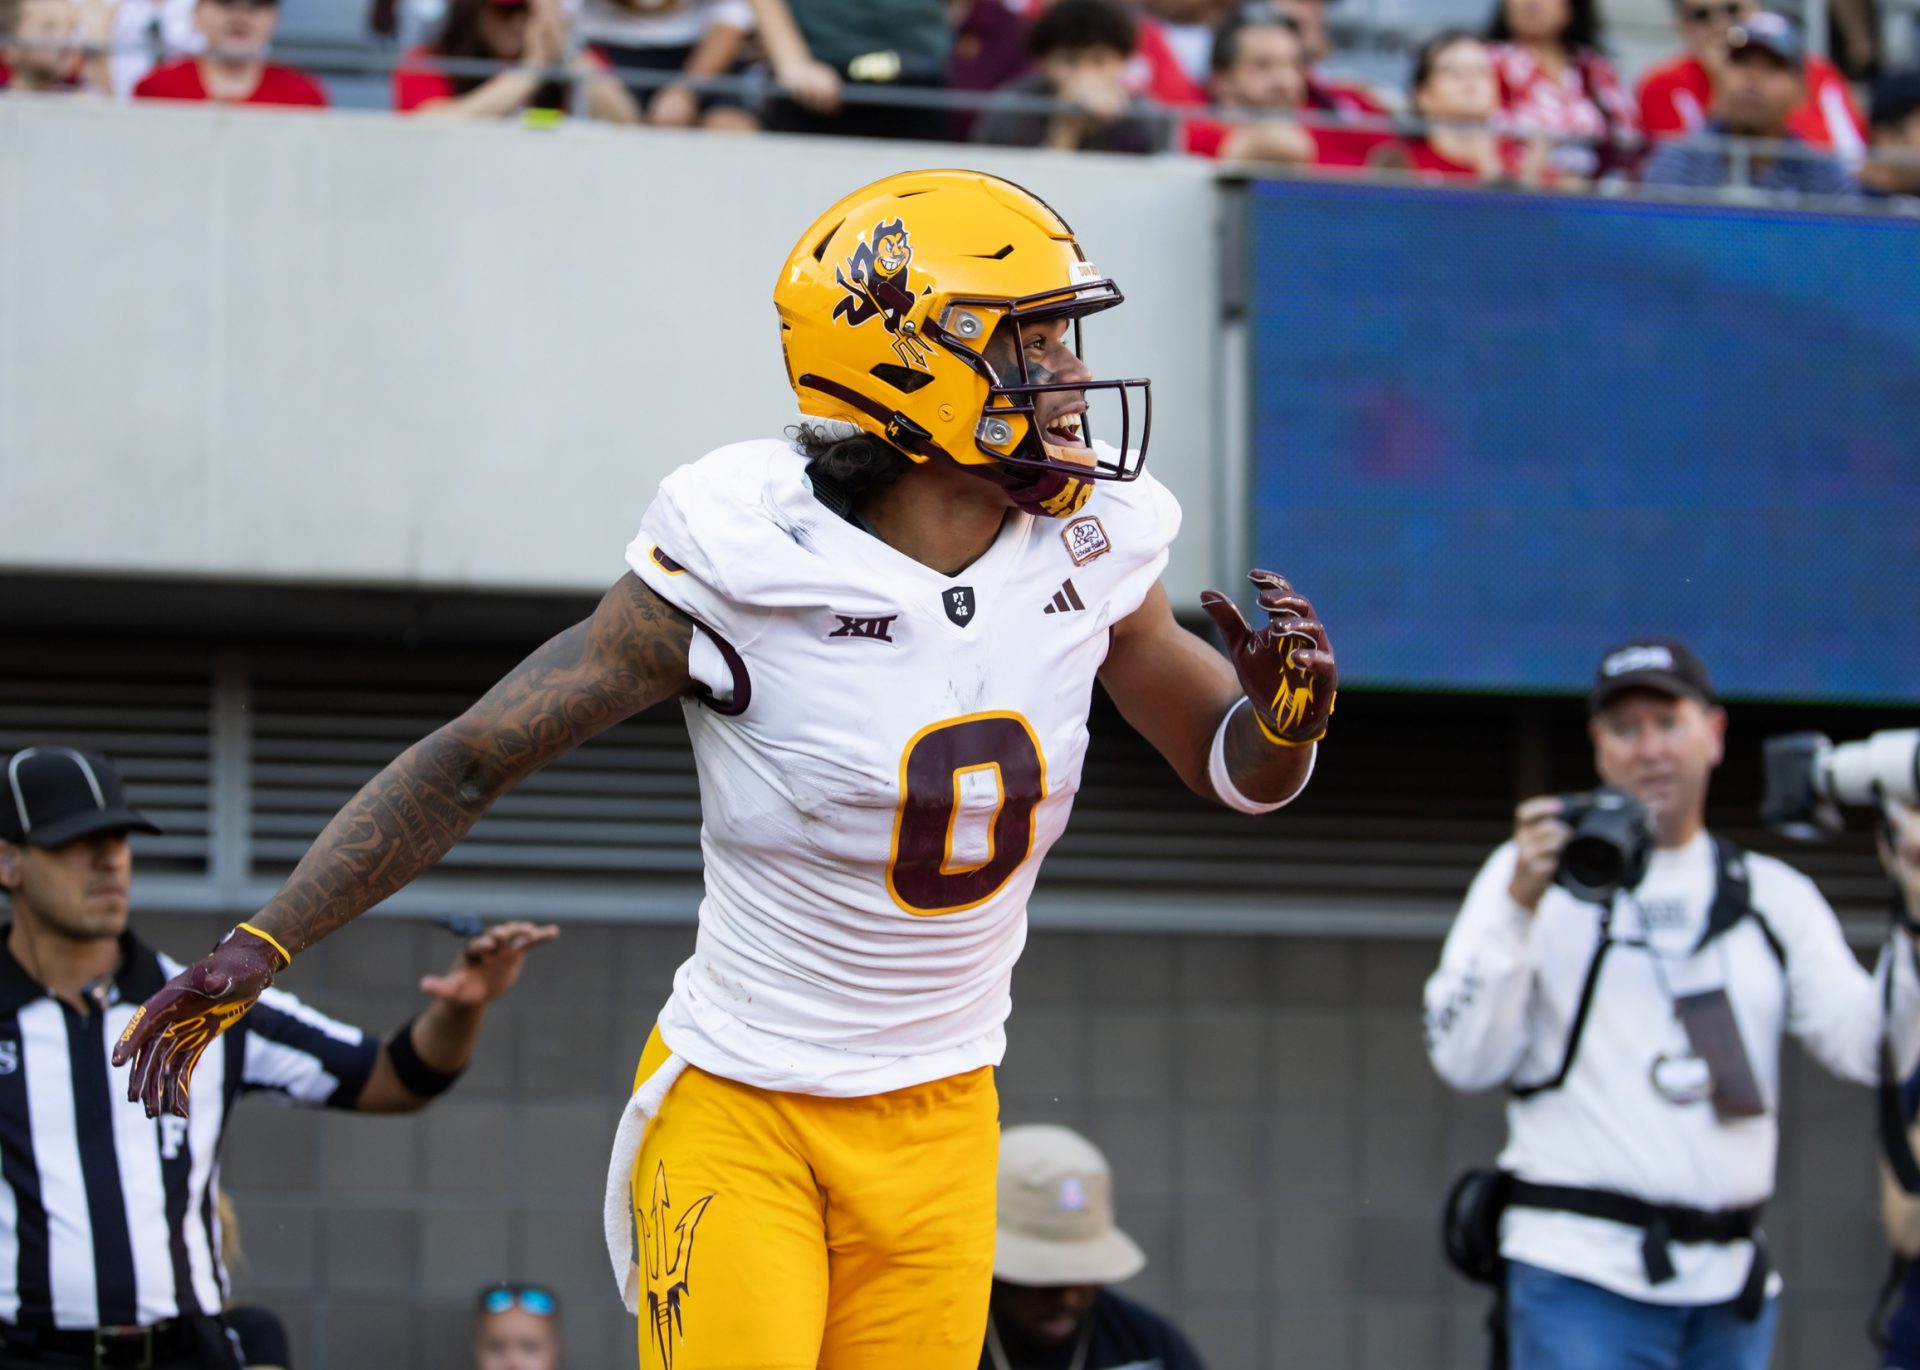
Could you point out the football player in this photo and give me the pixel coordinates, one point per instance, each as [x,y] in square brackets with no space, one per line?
[885,632]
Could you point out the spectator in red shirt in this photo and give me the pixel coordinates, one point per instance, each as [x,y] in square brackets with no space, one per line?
[1259,70]
[1456,90]
[1556,82]
[234,69]
[1763,82]
[531,36]
[1676,96]
[1324,93]
[41,46]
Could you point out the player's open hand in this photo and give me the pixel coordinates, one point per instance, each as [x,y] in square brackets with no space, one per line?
[171,1030]
[1286,667]
[490,964]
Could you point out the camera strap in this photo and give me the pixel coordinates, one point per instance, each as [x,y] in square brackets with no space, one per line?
[1896,1144]
[1578,1027]
[1732,901]
[1733,898]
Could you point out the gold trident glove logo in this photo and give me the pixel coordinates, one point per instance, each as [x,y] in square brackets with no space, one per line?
[669,1261]
[189,1038]
[1290,701]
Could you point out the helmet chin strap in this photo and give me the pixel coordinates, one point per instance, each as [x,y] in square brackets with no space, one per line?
[1070,456]
[1044,492]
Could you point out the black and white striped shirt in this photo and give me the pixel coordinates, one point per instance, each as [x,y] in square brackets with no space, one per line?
[106,1215]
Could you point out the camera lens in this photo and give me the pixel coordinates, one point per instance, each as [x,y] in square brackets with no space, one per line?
[1607,852]
[1594,863]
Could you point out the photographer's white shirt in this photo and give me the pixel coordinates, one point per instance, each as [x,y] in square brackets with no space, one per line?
[1500,1007]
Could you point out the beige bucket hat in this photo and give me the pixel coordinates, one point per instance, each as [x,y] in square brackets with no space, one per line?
[1056,1212]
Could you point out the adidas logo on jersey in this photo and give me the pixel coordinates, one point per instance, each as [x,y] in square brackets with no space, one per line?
[1066,600]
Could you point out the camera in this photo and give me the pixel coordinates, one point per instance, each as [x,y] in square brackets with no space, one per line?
[1611,843]
[1809,778]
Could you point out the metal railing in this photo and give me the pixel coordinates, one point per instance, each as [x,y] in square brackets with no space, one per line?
[758,91]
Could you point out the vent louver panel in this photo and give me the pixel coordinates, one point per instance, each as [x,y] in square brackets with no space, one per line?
[150,711]
[1412,792]
[624,804]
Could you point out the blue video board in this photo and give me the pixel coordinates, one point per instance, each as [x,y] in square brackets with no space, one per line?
[1494,433]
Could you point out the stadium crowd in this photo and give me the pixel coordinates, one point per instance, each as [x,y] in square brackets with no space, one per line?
[1532,98]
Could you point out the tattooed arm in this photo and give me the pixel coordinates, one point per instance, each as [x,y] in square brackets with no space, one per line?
[630,654]
[1175,690]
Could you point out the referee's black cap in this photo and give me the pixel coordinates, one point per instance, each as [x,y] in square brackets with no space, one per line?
[1665,665]
[55,795]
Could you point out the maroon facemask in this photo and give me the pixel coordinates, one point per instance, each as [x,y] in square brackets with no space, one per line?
[1011,399]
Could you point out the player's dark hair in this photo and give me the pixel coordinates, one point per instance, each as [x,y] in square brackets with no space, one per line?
[1581,33]
[1076,25]
[460,36]
[1226,38]
[857,466]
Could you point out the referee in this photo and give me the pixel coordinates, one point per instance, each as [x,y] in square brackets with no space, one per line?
[109,1245]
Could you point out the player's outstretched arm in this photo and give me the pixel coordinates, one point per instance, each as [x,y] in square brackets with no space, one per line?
[1267,701]
[631,653]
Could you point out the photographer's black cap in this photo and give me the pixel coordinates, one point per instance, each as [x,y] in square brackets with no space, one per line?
[55,795]
[1665,665]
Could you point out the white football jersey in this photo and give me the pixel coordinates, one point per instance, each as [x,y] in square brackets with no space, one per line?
[886,755]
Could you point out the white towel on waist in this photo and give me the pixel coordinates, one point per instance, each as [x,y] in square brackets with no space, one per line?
[616,1215]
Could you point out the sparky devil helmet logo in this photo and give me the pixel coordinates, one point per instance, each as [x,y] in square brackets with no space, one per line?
[875,279]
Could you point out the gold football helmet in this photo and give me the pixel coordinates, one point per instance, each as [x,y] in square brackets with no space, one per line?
[886,307]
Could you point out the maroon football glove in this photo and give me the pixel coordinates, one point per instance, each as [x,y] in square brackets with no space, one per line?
[170,1031]
[1287,667]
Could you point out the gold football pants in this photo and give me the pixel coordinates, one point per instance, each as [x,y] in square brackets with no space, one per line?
[790,1231]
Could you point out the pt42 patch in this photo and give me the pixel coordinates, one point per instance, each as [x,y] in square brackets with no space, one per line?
[959,604]
[1085,540]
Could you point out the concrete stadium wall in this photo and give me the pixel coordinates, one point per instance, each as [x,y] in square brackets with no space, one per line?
[1280,1146]
[357,349]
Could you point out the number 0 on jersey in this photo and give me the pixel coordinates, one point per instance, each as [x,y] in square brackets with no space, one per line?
[968,789]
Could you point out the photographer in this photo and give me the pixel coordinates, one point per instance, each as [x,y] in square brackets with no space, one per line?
[1900,1211]
[1639,1032]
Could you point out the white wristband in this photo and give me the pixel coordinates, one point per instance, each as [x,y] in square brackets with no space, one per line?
[1229,793]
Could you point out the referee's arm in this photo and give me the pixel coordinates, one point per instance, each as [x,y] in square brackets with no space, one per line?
[425,1055]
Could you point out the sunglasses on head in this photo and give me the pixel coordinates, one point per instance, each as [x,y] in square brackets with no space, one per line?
[1706,14]
[542,1303]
